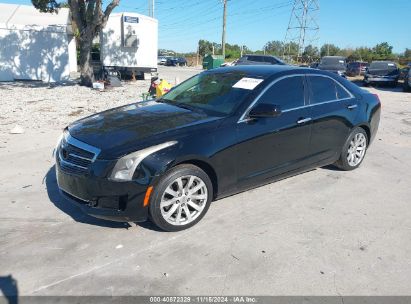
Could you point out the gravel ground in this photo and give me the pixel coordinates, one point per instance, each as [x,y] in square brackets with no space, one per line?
[34,105]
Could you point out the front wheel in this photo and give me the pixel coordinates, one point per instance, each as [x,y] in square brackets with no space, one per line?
[354,150]
[181,198]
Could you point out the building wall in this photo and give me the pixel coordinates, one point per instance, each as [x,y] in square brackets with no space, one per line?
[34,55]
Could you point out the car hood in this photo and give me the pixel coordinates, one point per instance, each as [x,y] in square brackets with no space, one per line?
[125,129]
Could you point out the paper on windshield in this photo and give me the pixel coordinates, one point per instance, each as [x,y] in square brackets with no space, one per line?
[391,64]
[247,83]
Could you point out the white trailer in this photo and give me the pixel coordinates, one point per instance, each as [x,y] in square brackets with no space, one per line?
[129,44]
[34,45]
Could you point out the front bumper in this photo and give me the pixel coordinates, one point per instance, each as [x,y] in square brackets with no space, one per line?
[102,198]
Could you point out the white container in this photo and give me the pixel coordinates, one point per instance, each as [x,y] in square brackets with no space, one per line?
[35,45]
[129,43]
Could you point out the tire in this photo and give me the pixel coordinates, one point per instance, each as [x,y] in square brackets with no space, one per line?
[171,200]
[406,88]
[357,139]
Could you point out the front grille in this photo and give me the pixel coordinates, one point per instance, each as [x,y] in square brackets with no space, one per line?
[74,156]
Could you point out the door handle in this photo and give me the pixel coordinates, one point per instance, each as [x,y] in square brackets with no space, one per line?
[304,120]
[350,107]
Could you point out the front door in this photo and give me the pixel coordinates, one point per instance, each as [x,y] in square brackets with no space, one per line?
[271,146]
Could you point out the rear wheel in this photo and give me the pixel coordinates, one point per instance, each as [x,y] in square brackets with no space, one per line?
[354,150]
[181,198]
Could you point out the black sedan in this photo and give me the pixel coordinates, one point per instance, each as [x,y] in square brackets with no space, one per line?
[333,64]
[382,72]
[218,133]
[178,61]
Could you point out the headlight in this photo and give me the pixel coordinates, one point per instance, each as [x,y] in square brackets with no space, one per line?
[63,135]
[341,73]
[125,166]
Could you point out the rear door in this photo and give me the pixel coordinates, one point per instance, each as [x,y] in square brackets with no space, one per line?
[333,110]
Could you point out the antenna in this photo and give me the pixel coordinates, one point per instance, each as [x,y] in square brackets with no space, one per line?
[303,28]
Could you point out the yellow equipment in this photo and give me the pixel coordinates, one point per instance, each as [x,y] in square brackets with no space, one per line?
[163,87]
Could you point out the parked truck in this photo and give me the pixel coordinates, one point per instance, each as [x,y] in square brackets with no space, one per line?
[129,45]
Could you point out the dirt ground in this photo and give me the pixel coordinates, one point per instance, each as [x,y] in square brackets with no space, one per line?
[325,232]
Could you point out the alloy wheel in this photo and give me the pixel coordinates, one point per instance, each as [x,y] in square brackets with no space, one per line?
[356,149]
[183,200]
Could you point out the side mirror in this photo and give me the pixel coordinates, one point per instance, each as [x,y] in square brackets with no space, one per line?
[264,110]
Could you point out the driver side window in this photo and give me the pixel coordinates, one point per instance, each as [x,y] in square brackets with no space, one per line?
[287,93]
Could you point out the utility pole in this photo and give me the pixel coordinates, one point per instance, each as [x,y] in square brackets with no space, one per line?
[151,8]
[303,28]
[224,27]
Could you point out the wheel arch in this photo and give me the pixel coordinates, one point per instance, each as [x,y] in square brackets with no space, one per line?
[203,165]
[367,130]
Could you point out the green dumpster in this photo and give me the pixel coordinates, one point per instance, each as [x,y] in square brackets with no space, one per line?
[212,61]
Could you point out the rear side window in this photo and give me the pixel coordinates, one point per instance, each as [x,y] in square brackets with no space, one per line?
[341,93]
[287,93]
[323,89]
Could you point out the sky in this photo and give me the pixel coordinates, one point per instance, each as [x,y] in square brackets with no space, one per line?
[345,23]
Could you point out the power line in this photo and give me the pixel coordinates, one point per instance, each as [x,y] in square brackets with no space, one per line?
[303,28]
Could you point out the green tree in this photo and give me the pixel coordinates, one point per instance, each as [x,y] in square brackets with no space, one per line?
[274,47]
[310,53]
[90,19]
[382,51]
[329,50]
[361,54]
[205,47]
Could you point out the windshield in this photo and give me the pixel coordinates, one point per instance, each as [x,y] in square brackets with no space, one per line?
[383,66]
[209,92]
[333,61]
